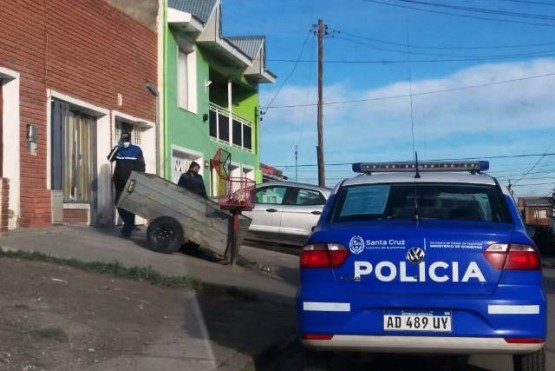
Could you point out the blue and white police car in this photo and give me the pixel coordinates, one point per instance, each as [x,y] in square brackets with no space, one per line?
[429,257]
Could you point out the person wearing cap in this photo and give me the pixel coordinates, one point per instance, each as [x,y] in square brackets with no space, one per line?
[128,158]
[192,180]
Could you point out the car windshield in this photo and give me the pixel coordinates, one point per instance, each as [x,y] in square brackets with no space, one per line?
[429,201]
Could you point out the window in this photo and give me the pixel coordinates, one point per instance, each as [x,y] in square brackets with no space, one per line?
[270,195]
[73,153]
[223,128]
[213,119]
[309,197]
[247,137]
[79,163]
[186,80]
[431,201]
[122,126]
[238,134]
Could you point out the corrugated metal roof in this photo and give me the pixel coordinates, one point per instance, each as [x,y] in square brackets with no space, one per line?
[538,202]
[200,9]
[249,45]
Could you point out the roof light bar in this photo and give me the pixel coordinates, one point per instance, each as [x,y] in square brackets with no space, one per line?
[391,167]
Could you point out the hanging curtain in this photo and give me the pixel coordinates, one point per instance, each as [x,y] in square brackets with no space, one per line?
[60,110]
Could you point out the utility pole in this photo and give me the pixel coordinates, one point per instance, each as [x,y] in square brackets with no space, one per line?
[321,32]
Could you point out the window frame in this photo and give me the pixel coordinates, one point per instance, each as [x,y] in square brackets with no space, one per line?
[495,197]
[186,93]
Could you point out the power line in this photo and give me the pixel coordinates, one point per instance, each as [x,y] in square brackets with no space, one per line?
[458,14]
[480,10]
[533,178]
[537,162]
[290,73]
[413,46]
[529,2]
[543,53]
[532,184]
[419,94]
[522,155]
[465,57]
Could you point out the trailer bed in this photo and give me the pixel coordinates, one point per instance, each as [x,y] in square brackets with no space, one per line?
[202,221]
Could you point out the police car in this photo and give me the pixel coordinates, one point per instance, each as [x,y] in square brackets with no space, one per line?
[422,258]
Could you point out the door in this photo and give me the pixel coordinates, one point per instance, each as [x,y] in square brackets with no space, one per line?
[267,213]
[300,213]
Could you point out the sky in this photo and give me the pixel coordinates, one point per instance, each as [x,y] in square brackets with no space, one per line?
[449,79]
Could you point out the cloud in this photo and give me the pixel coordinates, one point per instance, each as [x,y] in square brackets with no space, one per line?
[493,118]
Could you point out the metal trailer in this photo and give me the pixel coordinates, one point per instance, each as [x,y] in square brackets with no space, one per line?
[177,216]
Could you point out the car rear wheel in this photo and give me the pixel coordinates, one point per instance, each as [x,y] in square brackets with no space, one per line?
[529,362]
[164,235]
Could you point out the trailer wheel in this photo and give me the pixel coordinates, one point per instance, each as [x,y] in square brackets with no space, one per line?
[164,235]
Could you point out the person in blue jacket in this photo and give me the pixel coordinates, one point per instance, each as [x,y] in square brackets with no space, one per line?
[128,157]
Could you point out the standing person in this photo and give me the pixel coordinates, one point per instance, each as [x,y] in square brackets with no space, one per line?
[192,180]
[128,157]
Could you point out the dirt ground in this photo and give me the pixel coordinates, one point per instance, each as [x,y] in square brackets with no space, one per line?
[60,318]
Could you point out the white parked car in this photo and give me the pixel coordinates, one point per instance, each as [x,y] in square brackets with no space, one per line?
[285,212]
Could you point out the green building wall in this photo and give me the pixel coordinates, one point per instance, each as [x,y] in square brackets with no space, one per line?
[187,129]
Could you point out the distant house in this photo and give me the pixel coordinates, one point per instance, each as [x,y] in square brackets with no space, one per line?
[211,92]
[536,211]
[271,173]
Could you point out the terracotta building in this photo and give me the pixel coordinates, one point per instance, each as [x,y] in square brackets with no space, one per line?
[73,74]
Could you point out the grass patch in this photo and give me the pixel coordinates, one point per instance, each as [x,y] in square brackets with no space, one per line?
[135,273]
[51,333]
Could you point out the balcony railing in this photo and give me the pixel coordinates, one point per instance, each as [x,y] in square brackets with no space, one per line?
[229,128]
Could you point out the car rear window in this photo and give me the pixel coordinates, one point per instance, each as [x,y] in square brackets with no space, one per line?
[444,201]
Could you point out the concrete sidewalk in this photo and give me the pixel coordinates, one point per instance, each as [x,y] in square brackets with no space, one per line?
[239,336]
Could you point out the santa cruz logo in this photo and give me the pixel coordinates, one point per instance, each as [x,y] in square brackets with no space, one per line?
[356,245]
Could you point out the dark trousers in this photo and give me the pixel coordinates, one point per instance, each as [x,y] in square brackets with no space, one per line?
[127,217]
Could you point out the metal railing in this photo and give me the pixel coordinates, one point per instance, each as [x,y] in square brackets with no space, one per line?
[218,113]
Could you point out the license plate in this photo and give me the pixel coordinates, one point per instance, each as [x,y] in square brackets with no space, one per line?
[432,321]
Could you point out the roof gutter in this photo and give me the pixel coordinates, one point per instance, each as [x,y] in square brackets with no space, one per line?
[183,19]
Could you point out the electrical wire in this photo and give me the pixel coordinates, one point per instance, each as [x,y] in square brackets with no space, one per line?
[458,14]
[459,88]
[460,47]
[546,53]
[528,2]
[531,184]
[290,73]
[536,164]
[521,155]
[504,13]
[466,57]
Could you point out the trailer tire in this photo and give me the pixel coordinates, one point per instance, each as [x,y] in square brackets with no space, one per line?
[164,235]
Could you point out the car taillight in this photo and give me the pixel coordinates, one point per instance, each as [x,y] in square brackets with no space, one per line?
[513,257]
[323,255]
[525,340]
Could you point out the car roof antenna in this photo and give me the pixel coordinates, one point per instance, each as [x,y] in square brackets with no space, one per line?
[417,175]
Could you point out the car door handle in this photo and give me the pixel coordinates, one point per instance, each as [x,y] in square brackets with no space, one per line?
[271,210]
[316,212]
